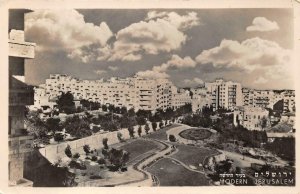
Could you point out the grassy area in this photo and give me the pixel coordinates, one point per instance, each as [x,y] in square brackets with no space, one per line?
[192,155]
[161,133]
[171,174]
[195,134]
[140,149]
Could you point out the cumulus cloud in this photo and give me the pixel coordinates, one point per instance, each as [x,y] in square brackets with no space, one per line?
[152,74]
[175,62]
[193,82]
[250,55]
[261,80]
[262,24]
[64,30]
[161,32]
[113,68]
[100,72]
[183,23]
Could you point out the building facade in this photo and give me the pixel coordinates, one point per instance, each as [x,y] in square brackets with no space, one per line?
[20,95]
[251,118]
[289,101]
[225,94]
[133,92]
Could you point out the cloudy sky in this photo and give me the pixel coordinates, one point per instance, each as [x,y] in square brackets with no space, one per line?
[251,46]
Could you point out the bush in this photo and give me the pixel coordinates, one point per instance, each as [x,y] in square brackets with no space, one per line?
[172,138]
[58,137]
[101,161]
[94,158]
[161,124]
[95,177]
[154,126]
[139,130]
[76,155]
[147,128]
[120,137]
[86,149]
[68,151]
[77,165]
[104,142]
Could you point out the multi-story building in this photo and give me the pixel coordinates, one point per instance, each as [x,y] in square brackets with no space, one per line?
[289,101]
[181,98]
[133,92]
[224,94]
[261,98]
[20,95]
[251,117]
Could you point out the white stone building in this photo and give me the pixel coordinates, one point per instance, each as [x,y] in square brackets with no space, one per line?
[225,94]
[289,101]
[250,117]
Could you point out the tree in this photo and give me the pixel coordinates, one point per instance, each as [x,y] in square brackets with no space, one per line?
[263,122]
[118,157]
[53,125]
[120,137]
[161,124]
[58,137]
[68,151]
[131,112]
[141,120]
[140,131]
[77,127]
[76,156]
[172,138]
[86,149]
[105,142]
[154,126]
[147,128]
[104,108]
[131,131]
[65,103]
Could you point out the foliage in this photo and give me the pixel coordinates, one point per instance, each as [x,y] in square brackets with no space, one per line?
[131,131]
[68,151]
[96,129]
[161,124]
[154,126]
[52,124]
[94,158]
[172,138]
[141,120]
[120,137]
[105,143]
[283,147]
[77,127]
[58,137]
[139,130]
[65,103]
[86,149]
[118,157]
[147,128]
[77,165]
[105,153]
[101,161]
[76,155]
[104,108]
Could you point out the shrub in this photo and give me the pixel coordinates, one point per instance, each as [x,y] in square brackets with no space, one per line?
[161,124]
[147,128]
[101,161]
[68,151]
[104,142]
[154,126]
[139,130]
[77,165]
[76,155]
[58,137]
[172,138]
[86,149]
[95,177]
[120,136]
[94,158]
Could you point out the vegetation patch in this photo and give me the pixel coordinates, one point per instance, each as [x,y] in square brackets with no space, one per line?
[195,134]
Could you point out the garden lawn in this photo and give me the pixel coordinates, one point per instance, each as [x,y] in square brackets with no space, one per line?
[140,148]
[195,134]
[170,173]
[192,155]
[161,133]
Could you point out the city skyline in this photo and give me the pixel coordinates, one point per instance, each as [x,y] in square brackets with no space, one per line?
[187,46]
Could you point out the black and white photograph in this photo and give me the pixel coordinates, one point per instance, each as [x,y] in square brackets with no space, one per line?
[152,97]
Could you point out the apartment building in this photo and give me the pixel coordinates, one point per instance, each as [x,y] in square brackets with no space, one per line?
[180,98]
[133,92]
[20,95]
[261,98]
[225,94]
[251,117]
[289,101]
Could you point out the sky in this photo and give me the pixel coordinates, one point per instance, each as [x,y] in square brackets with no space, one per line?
[189,47]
